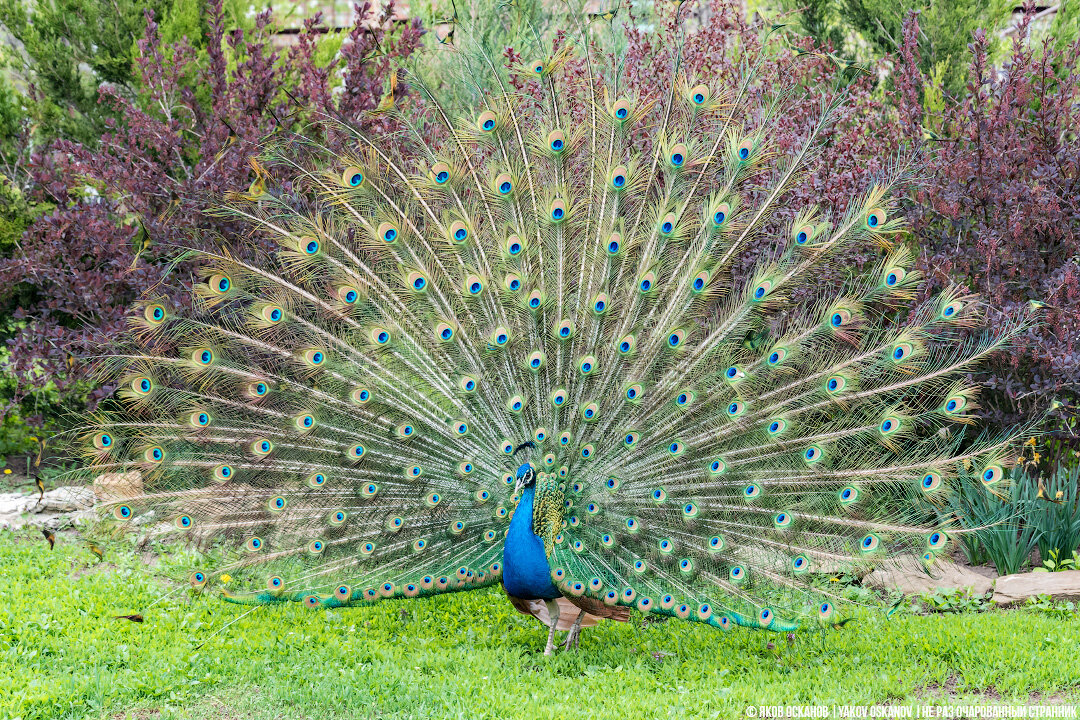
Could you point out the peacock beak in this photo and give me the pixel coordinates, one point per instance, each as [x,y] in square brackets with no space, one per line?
[519,486]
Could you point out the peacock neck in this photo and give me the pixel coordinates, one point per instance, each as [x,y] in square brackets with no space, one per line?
[526,573]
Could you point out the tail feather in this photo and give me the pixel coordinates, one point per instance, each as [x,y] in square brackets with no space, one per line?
[561,264]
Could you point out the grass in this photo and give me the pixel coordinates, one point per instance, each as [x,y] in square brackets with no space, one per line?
[469,655]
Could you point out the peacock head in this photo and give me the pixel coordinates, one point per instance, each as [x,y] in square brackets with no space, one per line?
[526,477]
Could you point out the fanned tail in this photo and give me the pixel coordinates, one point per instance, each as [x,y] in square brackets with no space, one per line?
[561,265]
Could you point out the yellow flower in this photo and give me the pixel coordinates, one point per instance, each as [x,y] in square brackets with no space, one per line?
[7,471]
[1031,441]
[226,578]
[1035,457]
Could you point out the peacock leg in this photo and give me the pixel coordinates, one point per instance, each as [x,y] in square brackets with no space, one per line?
[575,632]
[553,612]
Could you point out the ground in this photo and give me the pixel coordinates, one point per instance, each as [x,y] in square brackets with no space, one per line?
[469,655]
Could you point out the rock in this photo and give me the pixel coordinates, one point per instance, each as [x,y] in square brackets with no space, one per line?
[1012,589]
[66,500]
[58,508]
[118,486]
[13,506]
[911,577]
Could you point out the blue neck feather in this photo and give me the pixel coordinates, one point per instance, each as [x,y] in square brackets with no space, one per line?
[526,573]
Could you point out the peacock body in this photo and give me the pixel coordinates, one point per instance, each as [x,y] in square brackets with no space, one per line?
[523,353]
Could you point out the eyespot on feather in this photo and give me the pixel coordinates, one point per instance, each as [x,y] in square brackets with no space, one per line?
[802,234]
[314,357]
[667,224]
[203,356]
[457,232]
[777,356]
[647,282]
[564,330]
[840,319]
[487,121]
[347,294]
[514,246]
[700,282]
[220,284]
[992,474]
[444,332]
[893,276]
[557,210]
[720,214]
[677,155]
[504,184]
[848,495]
[556,141]
[875,218]
[744,150]
[618,178]
[257,389]
[379,335]
[473,285]
[416,281]
[535,300]
[440,173]
[387,232]
[352,177]
[761,291]
[155,314]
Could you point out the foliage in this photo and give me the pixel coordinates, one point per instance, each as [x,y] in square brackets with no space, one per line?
[994,526]
[998,209]
[69,48]
[1055,515]
[123,209]
[955,601]
[1045,603]
[874,28]
[1056,564]
[62,655]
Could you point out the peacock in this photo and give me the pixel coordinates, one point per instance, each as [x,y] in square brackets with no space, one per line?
[530,350]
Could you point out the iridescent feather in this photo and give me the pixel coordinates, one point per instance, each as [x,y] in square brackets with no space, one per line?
[341,417]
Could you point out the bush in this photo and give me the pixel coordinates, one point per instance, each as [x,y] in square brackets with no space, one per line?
[998,209]
[183,142]
[995,209]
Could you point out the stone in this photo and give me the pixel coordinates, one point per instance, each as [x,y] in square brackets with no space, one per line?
[118,486]
[66,500]
[1060,586]
[57,509]
[911,577]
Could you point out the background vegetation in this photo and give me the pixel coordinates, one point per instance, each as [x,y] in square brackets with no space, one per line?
[122,121]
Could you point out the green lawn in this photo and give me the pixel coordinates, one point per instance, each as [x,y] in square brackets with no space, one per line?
[468,655]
